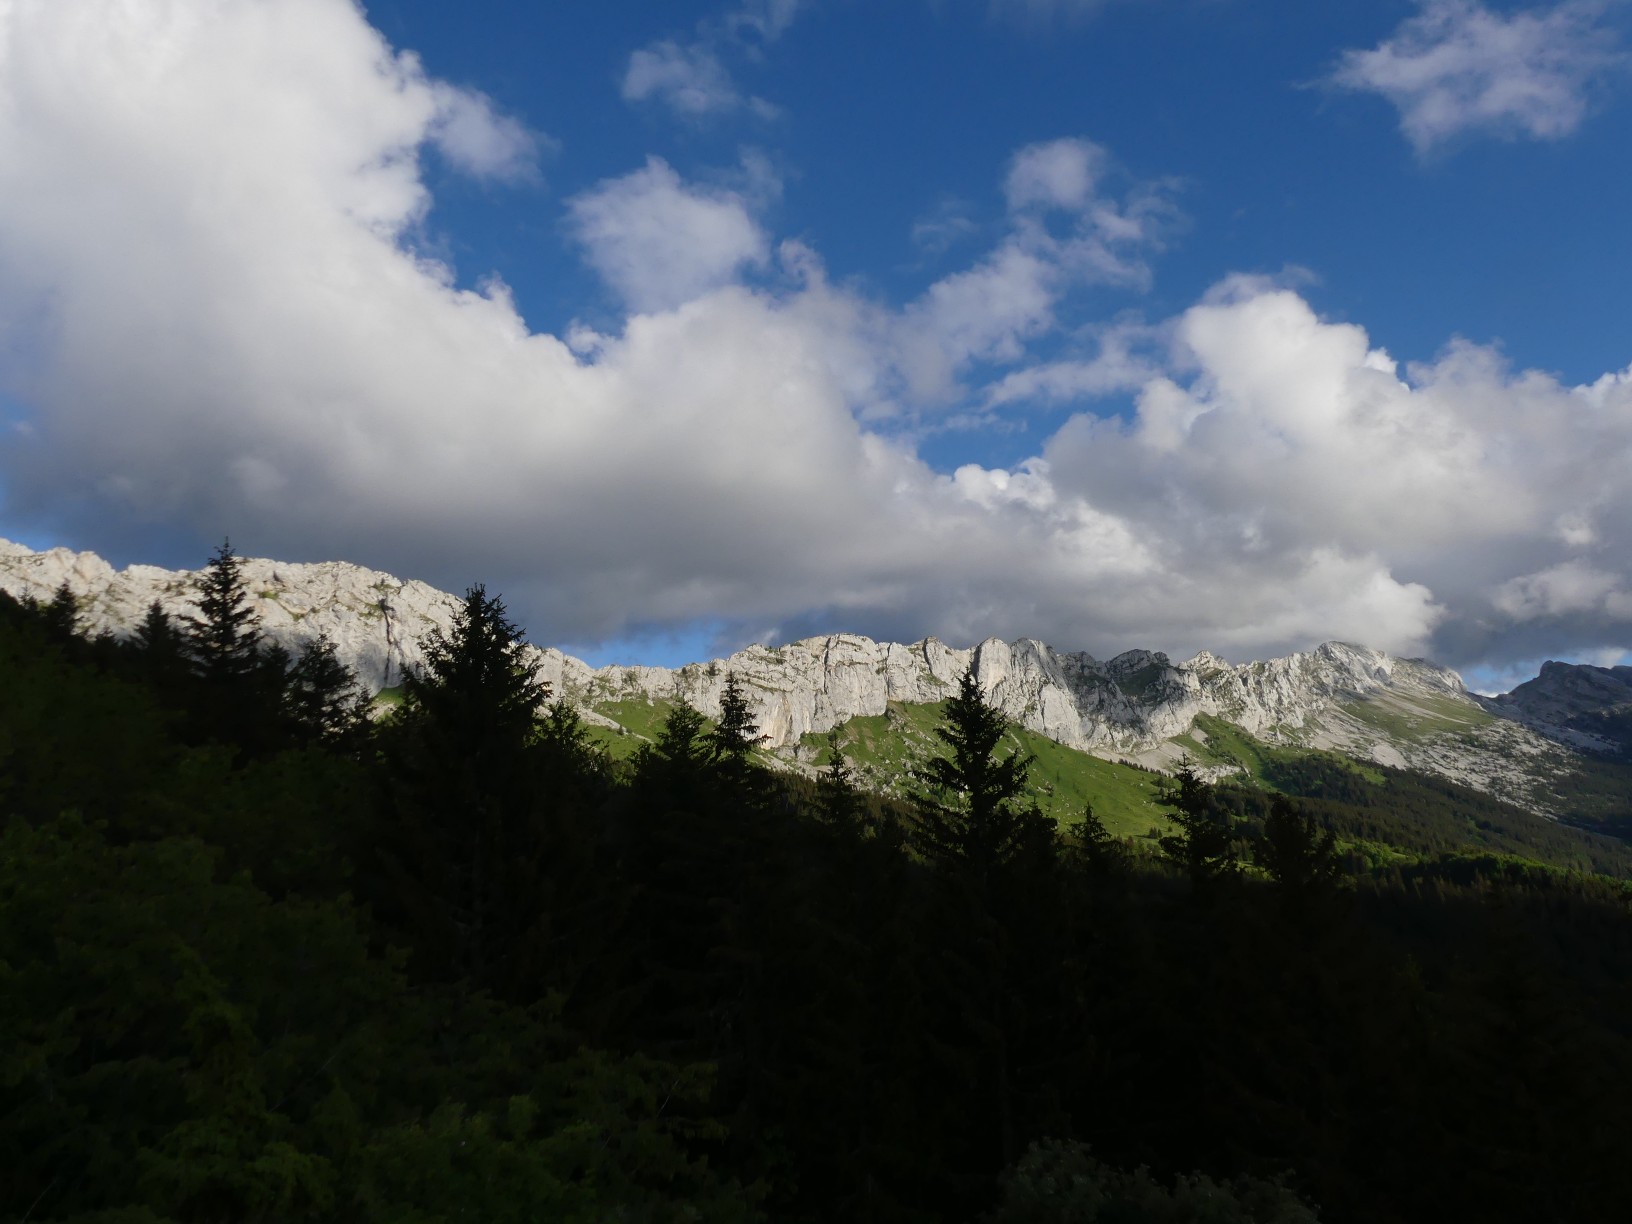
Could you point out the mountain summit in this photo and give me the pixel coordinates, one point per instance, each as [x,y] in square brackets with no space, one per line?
[1139,706]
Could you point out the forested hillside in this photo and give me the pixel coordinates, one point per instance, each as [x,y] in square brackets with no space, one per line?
[264,956]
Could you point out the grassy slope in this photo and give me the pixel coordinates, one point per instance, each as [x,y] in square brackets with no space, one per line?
[1402,719]
[885,748]
[1225,744]
[639,719]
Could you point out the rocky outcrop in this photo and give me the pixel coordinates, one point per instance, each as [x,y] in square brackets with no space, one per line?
[374,619]
[1127,705]
[1133,705]
[1575,703]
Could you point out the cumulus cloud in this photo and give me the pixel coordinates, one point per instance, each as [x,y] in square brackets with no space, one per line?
[1122,364]
[1065,230]
[1457,66]
[661,243]
[479,140]
[1460,485]
[691,79]
[214,317]
[1059,174]
[688,79]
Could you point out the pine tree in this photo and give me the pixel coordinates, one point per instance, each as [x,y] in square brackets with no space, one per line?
[61,615]
[839,801]
[1205,843]
[466,843]
[736,733]
[477,684]
[1298,855]
[996,855]
[157,637]
[1100,852]
[325,699]
[971,820]
[224,640]
[240,677]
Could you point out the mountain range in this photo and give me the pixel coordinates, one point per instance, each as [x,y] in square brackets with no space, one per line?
[1140,707]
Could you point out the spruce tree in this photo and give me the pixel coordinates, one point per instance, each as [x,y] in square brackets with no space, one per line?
[477,685]
[325,700]
[1205,844]
[971,818]
[1101,853]
[466,844]
[224,640]
[1298,854]
[61,615]
[157,639]
[240,677]
[736,733]
[839,802]
[995,854]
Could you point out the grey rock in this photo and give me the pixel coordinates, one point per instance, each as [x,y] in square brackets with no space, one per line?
[1563,697]
[1406,712]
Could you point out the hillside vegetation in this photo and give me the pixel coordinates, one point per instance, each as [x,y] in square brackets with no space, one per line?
[266,957]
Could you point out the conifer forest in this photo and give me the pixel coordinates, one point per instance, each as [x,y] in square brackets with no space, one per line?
[269,954]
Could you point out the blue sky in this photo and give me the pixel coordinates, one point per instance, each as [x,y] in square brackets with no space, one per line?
[1181,324]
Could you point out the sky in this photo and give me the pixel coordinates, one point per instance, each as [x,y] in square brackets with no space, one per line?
[1237,325]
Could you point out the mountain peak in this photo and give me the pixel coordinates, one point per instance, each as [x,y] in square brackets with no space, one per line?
[1139,705]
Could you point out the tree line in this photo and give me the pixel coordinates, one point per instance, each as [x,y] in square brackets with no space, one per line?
[266,957]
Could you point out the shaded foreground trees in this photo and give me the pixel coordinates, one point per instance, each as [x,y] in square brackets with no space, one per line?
[182,1044]
[682,987]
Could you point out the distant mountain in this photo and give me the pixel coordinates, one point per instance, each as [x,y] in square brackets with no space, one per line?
[1140,707]
[1575,703]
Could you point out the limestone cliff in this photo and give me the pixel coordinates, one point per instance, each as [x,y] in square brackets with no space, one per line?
[1139,705]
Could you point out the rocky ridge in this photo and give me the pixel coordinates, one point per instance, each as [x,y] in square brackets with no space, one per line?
[375,620]
[1138,705]
[1573,703]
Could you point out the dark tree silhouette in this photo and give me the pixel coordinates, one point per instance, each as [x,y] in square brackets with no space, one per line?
[1100,852]
[466,843]
[224,640]
[1205,843]
[971,817]
[60,615]
[325,700]
[157,639]
[735,735]
[839,801]
[1298,854]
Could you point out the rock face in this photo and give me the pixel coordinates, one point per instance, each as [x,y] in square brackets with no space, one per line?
[1126,706]
[373,619]
[1399,712]
[1575,703]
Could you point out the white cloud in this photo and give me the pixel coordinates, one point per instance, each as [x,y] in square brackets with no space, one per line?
[688,79]
[691,78]
[768,20]
[1064,231]
[1059,174]
[213,320]
[479,140]
[660,243]
[1458,66]
[1295,437]
[1564,589]
[943,227]
[1117,367]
